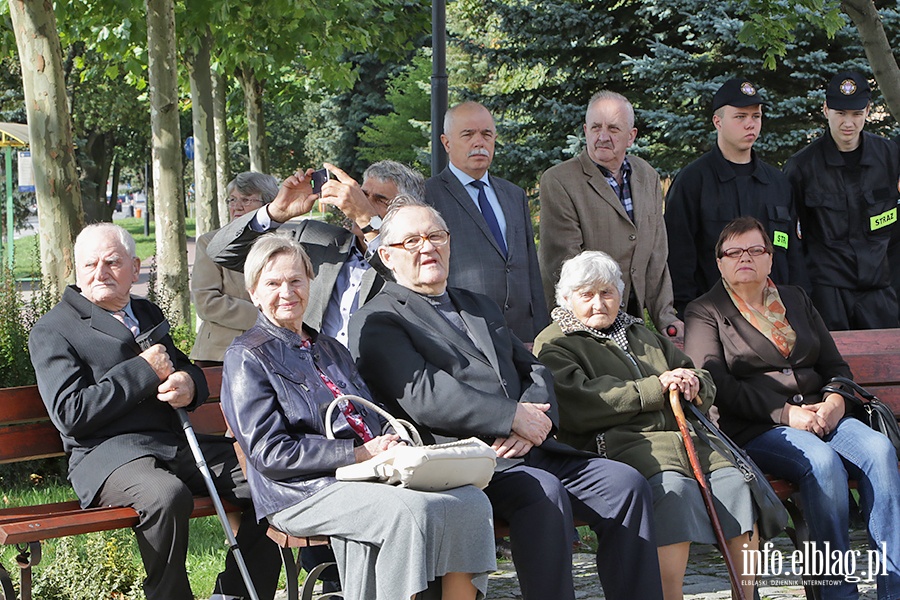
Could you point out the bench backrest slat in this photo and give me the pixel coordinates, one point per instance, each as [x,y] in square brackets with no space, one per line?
[21,405]
[26,432]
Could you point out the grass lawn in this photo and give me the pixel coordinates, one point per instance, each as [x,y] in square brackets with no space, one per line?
[106,555]
[27,257]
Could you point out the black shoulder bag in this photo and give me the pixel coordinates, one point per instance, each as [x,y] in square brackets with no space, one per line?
[772,516]
[868,408]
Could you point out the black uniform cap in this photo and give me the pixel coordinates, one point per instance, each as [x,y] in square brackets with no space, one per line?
[737,93]
[848,91]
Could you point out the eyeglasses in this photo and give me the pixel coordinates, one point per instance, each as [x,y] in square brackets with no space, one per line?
[242,201]
[414,242]
[753,251]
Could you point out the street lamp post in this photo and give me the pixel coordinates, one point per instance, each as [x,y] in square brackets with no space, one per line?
[438,83]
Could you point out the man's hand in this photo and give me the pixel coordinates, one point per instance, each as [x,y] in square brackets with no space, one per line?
[530,422]
[345,193]
[159,361]
[294,198]
[177,390]
[511,447]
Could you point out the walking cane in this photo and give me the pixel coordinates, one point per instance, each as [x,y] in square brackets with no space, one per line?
[145,340]
[675,401]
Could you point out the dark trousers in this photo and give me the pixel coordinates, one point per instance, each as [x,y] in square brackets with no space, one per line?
[162,494]
[843,309]
[539,499]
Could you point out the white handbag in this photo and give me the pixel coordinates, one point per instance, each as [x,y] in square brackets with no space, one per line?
[426,468]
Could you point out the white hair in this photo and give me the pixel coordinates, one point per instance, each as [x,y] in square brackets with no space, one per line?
[96,228]
[610,95]
[589,269]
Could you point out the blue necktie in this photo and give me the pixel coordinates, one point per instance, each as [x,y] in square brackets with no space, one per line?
[489,215]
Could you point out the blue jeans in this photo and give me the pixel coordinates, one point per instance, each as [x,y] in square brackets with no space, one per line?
[821,467]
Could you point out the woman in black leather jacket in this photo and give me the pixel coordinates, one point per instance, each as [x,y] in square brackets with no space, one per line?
[278,379]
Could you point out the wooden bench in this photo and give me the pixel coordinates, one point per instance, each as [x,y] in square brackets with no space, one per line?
[874,358]
[26,433]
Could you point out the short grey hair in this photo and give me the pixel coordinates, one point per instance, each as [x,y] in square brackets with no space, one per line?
[610,95]
[267,247]
[448,116]
[95,228]
[589,269]
[401,202]
[252,182]
[409,182]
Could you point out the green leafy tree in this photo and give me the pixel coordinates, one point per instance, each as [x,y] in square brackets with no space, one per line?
[404,133]
[666,56]
[773,25]
[688,60]
[50,137]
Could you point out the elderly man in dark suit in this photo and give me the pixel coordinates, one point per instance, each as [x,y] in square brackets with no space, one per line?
[114,407]
[347,271]
[445,359]
[490,222]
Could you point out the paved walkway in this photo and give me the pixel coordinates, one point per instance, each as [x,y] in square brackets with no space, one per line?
[705,579]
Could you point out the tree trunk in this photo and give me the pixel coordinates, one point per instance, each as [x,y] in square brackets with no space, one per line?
[114,182]
[878,50]
[171,247]
[60,213]
[95,166]
[256,124]
[205,202]
[223,158]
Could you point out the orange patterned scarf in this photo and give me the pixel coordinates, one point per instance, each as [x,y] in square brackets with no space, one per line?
[772,322]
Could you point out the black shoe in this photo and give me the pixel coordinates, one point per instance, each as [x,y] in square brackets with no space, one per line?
[504,549]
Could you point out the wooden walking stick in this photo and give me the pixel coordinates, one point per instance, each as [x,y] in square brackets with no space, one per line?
[706,492]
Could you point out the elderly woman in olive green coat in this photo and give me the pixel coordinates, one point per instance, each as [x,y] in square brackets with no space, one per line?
[612,377]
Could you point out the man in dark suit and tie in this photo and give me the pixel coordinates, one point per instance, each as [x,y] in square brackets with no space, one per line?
[444,358]
[340,256]
[114,406]
[491,225]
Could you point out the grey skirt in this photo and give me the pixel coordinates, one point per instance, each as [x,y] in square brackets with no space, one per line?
[391,542]
[680,515]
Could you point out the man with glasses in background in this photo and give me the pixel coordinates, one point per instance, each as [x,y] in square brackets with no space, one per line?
[345,278]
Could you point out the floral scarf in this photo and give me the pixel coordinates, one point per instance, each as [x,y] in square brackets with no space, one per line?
[772,322]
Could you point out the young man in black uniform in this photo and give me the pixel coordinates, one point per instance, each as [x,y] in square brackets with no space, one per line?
[845,187]
[727,182]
